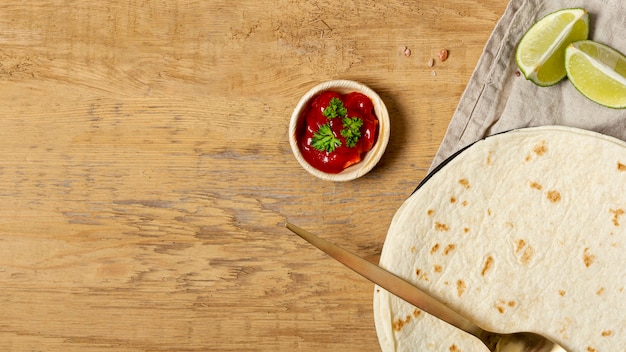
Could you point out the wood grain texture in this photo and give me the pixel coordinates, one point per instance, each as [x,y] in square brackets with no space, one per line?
[145,170]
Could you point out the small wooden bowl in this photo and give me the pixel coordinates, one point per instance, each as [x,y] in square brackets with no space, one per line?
[371,158]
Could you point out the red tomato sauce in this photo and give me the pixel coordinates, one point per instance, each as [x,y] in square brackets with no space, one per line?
[344,153]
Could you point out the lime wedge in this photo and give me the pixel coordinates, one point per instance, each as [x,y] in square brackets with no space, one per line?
[598,72]
[541,52]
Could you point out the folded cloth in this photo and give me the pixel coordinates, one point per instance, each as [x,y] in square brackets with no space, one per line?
[498,98]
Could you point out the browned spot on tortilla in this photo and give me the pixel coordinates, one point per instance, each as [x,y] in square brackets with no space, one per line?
[527,256]
[490,157]
[412,249]
[616,214]
[600,291]
[621,167]
[400,323]
[562,293]
[441,227]
[553,196]
[588,258]
[535,185]
[466,229]
[524,251]
[416,312]
[454,348]
[434,248]
[487,265]
[520,245]
[437,268]
[421,275]
[464,203]
[607,333]
[452,200]
[449,248]
[465,183]
[489,212]
[502,304]
[460,287]
[591,349]
[540,149]
[430,212]
[527,158]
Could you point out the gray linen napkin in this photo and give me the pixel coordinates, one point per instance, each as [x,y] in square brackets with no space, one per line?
[497,100]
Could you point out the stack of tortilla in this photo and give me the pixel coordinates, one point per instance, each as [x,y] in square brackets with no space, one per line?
[522,231]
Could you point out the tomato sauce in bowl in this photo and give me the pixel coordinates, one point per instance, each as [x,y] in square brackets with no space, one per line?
[332,140]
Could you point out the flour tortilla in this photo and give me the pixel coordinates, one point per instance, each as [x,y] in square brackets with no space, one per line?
[523,231]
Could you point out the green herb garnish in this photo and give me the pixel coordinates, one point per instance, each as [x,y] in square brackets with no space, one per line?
[351,130]
[325,140]
[335,108]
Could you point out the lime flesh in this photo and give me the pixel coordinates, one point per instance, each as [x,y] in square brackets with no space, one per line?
[598,72]
[541,52]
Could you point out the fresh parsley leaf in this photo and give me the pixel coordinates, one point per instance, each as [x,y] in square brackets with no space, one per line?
[335,108]
[325,140]
[351,130]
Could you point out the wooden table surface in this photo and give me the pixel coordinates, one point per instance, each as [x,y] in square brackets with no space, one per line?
[146,174]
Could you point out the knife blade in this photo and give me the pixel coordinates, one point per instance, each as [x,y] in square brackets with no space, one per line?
[388,281]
